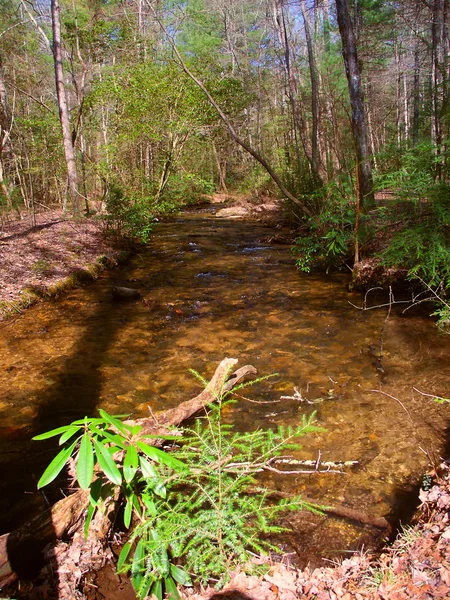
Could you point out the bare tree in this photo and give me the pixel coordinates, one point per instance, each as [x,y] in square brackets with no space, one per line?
[69,150]
[359,124]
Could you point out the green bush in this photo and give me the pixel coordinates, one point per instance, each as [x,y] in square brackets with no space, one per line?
[201,513]
[330,238]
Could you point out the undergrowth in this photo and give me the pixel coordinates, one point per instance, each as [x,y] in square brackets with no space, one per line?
[195,510]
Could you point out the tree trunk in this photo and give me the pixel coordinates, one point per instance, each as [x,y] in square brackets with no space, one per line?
[359,125]
[69,150]
[315,158]
[416,97]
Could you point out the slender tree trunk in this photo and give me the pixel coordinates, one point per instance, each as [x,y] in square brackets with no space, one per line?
[416,97]
[220,170]
[69,150]
[315,157]
[359,125]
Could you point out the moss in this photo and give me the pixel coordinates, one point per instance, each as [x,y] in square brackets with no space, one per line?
[90,273]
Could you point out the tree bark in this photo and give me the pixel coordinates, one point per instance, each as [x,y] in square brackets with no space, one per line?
[69,150]
[315,157]
[359,124]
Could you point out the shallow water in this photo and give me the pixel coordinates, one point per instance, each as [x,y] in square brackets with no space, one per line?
[213,288]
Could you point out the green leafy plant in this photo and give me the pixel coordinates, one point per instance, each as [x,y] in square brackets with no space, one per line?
[215,516]
[201,513]
[127,218]
[118,456]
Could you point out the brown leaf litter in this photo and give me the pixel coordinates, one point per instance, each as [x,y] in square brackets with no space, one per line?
[42,252]
[416,566]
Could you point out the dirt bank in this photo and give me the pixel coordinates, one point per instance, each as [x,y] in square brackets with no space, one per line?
[37,254]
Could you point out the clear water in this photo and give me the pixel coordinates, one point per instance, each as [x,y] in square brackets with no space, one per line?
[213,288]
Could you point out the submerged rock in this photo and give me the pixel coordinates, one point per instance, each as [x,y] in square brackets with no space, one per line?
[124,293]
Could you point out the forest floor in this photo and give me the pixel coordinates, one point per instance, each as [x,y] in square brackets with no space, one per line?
[38,254]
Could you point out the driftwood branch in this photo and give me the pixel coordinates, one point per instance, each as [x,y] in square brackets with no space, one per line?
[66,518]
[344,512]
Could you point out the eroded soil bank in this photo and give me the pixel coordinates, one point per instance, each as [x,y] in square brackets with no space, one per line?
[39,252]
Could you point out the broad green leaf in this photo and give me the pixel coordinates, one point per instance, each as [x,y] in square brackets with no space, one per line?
[160,456]
[114,438]
[138,565]
[130,463]
[149,504]
[148,469]
[107,464]
[137,506]
[157,589]
[171,589]
[96,492]
[128,511]
[93,421]
[123,555]
[114,422]
[157,486]
[56,466]
[180,575]
[85,462]
[52,433]
[68,434]
[135,429]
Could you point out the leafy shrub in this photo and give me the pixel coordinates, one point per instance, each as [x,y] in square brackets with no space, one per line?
[128,219]
[331,234]
[203,510]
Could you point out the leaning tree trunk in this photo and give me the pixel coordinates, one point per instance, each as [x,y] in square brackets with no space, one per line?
[69,150]
[224,118]
[359,124]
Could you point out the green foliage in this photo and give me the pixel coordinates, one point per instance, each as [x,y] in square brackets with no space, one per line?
[215,517]
[331,235]
[202,513]
[422,243]
[184,188]
[121,454]
[127,219]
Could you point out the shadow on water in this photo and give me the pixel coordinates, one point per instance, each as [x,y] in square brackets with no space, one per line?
[73,394]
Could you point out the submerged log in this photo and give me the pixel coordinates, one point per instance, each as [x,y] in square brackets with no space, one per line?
[66,518]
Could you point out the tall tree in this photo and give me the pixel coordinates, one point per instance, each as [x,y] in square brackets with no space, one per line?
[359,122]
[69,151]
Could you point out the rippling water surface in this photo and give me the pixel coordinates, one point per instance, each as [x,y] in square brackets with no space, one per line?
[213,288]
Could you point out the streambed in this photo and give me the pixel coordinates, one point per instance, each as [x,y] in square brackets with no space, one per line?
[213,288]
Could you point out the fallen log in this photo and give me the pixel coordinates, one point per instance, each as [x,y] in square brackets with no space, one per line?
[66,517]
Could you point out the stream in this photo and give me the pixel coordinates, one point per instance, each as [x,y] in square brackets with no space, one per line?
[213,288]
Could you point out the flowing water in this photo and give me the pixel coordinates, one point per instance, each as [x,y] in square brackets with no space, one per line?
[213,288]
